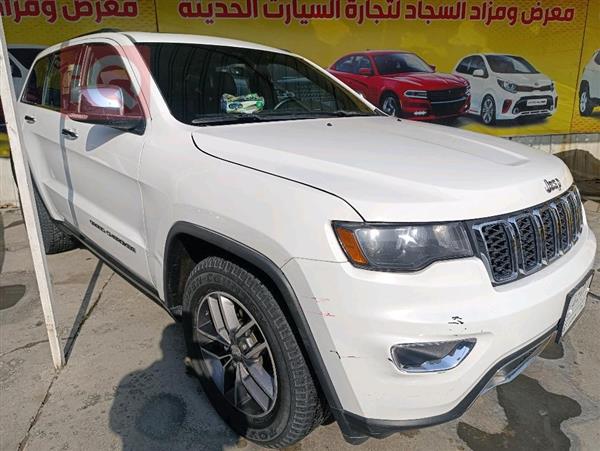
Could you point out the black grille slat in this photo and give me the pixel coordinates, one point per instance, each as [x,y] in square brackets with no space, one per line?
[446,95]
[514,246]
[528,240]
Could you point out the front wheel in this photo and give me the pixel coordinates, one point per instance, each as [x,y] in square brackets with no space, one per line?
[391,105]
[488,110]
[585,103]
[244,350]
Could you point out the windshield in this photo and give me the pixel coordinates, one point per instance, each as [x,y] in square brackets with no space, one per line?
[213,85]
[505,64]
[399,63]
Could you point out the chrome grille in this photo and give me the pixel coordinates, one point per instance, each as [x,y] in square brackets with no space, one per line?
[519,244]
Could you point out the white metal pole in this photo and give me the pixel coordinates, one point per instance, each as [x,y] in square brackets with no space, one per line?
[40,265]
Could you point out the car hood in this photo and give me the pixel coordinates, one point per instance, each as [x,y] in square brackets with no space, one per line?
[526,79]
[434,80]
[391,170]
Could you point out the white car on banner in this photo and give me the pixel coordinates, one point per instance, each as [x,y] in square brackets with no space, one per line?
[506,87]
[589,89]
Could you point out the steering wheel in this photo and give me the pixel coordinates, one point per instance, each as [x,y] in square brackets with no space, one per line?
[288,100]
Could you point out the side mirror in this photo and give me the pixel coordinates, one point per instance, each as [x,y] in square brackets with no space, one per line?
[479,73]
[433,67]
[365,71]
[105,105]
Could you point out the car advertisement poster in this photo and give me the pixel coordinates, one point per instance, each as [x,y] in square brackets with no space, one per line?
[507,68]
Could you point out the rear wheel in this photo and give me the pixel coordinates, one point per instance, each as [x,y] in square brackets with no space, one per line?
[246,355]
[488,110]
[391,105]
[585,102]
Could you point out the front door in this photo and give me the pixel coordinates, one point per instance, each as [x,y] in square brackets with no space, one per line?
[107,205]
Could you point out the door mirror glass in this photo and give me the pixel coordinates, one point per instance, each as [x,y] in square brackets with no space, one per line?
[105,105]
[479,73]
[433,67]
[365,71]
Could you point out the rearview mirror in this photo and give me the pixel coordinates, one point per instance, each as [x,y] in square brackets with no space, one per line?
[479,73]
[365,71]
[105,105]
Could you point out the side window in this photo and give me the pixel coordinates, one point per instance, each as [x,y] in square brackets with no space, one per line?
[597,59]
[463,67]
[35,83]
[478,63]
[104,67]
[345,64]
[362,62]
[64,70]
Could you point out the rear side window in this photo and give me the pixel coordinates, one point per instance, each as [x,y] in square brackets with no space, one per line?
[34,90]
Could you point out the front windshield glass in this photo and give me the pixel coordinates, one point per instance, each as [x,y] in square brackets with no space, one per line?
[506,64]
[211,85]
[399,63]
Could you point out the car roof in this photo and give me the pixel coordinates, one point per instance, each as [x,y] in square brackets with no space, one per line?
[176,38]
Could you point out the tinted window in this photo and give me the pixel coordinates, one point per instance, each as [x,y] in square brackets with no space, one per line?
[104,67]
[398,63]
[200,82]
[345,64]
[477,63]
[506,64]
[25,56]
[463,67]
[362,62]
[35,83]
[64,68]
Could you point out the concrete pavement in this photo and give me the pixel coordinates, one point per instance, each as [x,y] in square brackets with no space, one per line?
[126,387]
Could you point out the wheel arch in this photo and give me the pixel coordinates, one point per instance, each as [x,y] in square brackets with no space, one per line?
[188,243]
[385,91]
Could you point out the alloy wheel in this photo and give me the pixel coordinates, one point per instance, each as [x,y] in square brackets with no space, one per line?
[488,111]
[390,106]
[236,353]
[583,102]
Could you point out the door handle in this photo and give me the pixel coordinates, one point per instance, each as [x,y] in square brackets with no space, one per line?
[30,119]
[69,134]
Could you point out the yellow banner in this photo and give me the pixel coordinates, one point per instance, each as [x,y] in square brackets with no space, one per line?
[538,55]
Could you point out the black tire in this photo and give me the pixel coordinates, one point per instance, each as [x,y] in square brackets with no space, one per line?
[55,240]
[586,106]
[390,104]
[296,408]
[488,117]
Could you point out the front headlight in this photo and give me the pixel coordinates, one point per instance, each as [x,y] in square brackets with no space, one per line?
[508,86]
[415,94]
[395,247]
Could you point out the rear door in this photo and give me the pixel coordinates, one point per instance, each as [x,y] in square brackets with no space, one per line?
[42,115]
[104,162]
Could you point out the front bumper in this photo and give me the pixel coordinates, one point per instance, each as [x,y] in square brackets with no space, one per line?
[513,106]
[426,110]
[356,316]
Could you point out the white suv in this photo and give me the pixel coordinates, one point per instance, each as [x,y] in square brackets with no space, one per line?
[507,87]
[589,89]
[325,259]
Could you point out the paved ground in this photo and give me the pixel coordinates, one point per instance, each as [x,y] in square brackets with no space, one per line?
[126,387]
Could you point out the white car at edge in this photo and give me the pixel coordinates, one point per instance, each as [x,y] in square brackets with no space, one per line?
[325,259]
[589,88]
[506,87]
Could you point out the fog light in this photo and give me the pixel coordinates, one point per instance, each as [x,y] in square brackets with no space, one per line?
[431,357]
[420,113]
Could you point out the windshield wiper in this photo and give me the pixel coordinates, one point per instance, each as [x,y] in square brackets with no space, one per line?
[224,120]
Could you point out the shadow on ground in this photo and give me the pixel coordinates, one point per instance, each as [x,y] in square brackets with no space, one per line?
[534,417]
[151,410]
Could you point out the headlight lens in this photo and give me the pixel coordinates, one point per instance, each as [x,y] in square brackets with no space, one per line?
[416,94]
[402,247]
[508,86]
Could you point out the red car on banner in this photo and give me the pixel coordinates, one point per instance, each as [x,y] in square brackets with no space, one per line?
[403,85]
